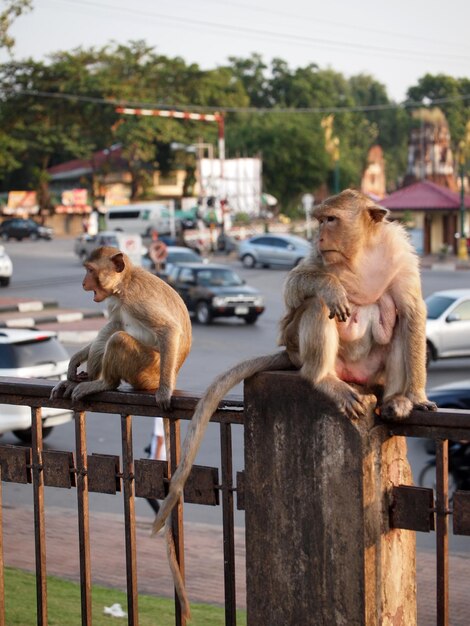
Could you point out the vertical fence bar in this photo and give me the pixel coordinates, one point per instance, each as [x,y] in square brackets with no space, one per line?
[83,517]
[39,517]
[177,513]
[228,524]
[129,519]
[2,561]
[442,531]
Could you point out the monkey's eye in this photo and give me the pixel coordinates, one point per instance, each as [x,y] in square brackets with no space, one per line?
[330,218]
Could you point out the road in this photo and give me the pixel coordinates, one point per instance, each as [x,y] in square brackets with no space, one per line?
[50,271]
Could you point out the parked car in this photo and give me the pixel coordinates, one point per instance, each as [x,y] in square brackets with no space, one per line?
[448,324]
[26,353]
[211,291]
[269,250]
[131,244]
[19,228]
[6,268]
[451,395]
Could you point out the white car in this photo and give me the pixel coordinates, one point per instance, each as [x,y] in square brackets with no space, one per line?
[28,353]
[448,324]
[6,268]
[273,249]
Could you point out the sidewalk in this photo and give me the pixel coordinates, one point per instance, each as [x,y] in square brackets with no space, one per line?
[203,556]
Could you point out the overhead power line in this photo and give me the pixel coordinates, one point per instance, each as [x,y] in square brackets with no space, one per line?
[409,104]
[277,36]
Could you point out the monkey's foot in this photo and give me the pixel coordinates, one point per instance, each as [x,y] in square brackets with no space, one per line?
[425,405]
[350,402]
[396,408]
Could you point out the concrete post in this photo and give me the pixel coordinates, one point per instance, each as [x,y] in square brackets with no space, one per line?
[318,546]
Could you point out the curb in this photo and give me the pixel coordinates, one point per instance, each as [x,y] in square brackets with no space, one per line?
[76,336]
[26,307]
[60,318]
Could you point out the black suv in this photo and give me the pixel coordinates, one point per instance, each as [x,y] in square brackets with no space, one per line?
[215,291]
[19,228]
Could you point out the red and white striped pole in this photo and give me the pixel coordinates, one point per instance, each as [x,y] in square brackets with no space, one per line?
[184,115]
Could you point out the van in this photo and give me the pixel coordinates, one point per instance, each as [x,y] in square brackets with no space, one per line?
[130,243]
[141,218]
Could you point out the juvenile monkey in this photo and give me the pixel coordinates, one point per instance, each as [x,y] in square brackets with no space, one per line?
[147,337]
[355,315]
[145,342]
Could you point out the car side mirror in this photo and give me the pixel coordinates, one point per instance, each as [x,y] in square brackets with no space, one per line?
[453,317]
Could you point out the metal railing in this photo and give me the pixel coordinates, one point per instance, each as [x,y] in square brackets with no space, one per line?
[144,478]
[414,508]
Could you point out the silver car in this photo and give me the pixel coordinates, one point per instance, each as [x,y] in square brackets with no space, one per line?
[266,250]
[448,324]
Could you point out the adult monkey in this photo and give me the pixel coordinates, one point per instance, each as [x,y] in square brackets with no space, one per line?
[355,315]
[147,337]
[145,342]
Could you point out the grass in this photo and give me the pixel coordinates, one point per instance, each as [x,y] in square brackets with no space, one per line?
[63,601]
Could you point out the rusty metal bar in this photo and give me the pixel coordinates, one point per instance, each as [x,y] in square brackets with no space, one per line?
[228,524]
[2,561]
[129,519]
[83,517]
[177,513]
[442,532]
[39,517]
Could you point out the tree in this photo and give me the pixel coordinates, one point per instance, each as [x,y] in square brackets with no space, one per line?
[12,10]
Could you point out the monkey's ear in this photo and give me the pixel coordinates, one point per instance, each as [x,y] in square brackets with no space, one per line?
[118,262]
[378,213]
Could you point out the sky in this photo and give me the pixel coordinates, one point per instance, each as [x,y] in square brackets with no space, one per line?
[395,41]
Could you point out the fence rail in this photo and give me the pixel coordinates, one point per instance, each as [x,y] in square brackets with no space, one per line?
[100,473]
[411,507]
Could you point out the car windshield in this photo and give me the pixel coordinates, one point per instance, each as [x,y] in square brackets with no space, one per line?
[436,305]
[218,278]
[182,257]
[30,353]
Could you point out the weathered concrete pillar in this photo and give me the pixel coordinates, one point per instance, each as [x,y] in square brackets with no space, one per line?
[318,546]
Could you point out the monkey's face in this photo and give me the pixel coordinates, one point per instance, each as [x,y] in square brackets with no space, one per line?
[91,282]
[330,244]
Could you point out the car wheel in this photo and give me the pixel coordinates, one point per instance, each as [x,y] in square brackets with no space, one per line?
[203,313]
[249,261]
[251,319]
[26,435]
[429,354]
[5,281]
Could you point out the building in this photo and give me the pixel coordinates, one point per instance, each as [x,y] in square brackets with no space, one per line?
[432,214]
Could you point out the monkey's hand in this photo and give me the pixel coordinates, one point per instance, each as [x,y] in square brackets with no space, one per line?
[338,304]
[63,389]
[163,397]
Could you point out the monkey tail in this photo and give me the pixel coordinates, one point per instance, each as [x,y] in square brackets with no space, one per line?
[205,408]
[175,570]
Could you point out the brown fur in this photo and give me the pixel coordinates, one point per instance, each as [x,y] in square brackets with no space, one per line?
[355,314]
[147,337]
[144,343]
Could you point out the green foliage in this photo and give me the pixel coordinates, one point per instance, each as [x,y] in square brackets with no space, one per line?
[64,604]
[41,128]
[11,11]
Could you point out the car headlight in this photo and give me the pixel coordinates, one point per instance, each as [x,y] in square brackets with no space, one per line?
[258,301]
[218,301]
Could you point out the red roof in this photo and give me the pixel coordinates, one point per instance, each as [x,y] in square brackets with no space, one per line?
[424,195]
[98,159]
